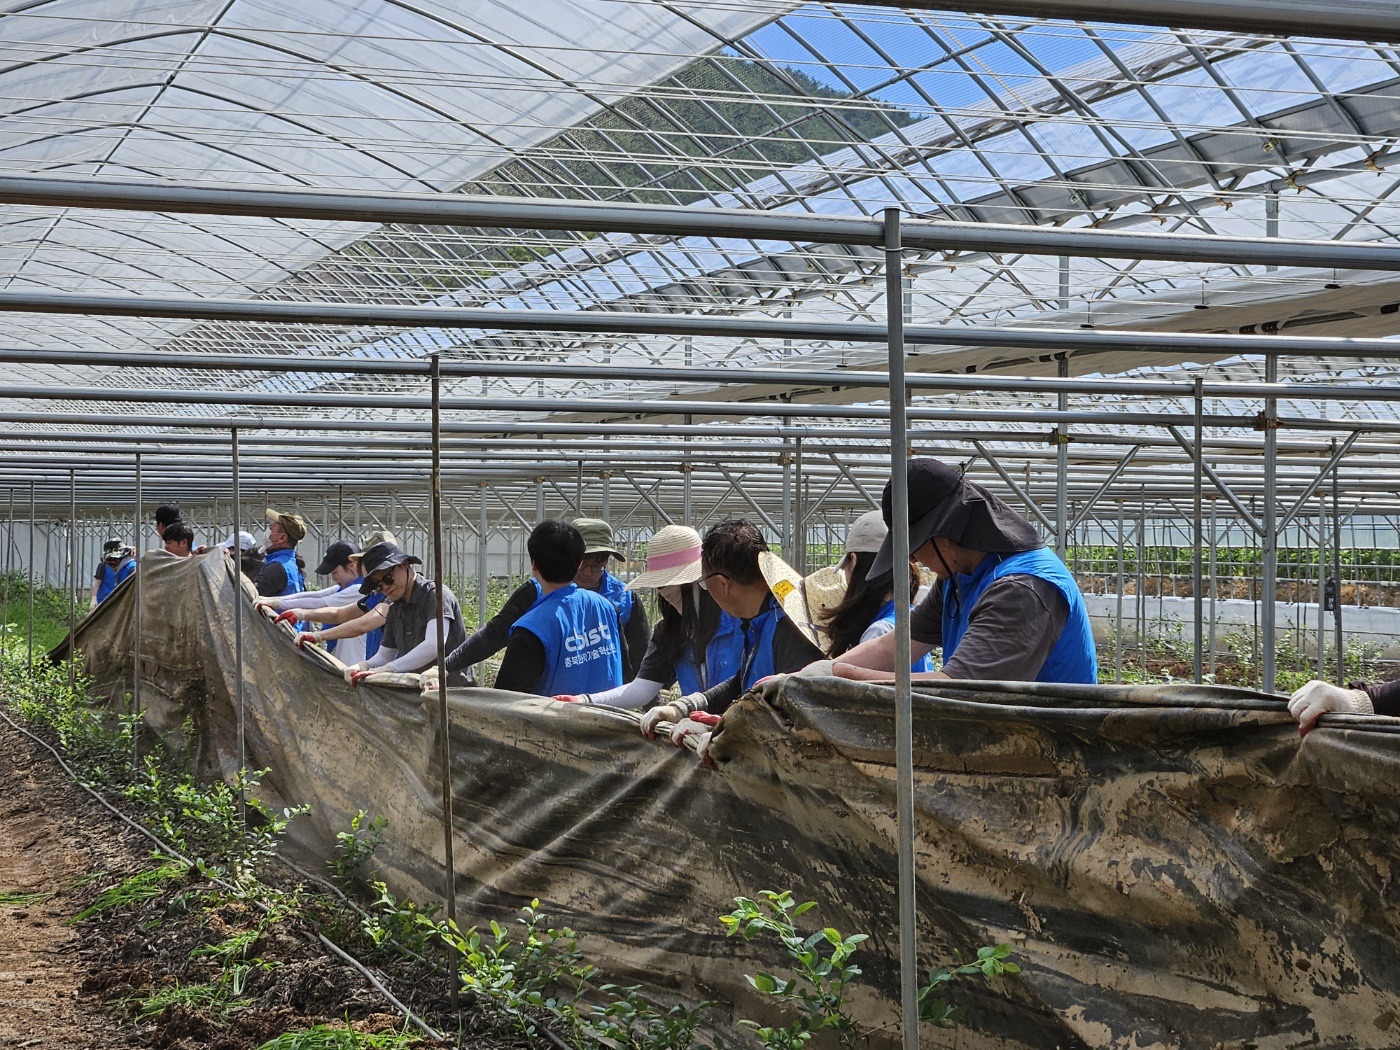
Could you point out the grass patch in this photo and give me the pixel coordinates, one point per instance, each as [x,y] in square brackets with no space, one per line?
[208,999]
[139,888]
[24,900]
[327,1037]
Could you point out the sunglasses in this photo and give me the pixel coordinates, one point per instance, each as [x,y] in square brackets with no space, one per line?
[377,583]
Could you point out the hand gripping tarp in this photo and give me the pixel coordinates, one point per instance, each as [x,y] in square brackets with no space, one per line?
[1172,865]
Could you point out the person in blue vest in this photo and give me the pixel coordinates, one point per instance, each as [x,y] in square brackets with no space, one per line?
[118,562]
[570,640]
[281,574]
[773,644]
[1005,608]
[867,609]
[593,575]
[695,644]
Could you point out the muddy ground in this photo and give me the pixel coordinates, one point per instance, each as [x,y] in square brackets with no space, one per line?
[67,984]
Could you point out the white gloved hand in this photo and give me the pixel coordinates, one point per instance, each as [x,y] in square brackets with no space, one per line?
[92,604]
[1317,698]
[428,681]
[661,713]
[349,671]
[699,724]
[267,605]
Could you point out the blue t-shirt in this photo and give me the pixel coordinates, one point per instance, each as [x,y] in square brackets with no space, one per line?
[581,638]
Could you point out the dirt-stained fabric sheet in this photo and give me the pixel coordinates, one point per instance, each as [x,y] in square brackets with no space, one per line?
[1172,865]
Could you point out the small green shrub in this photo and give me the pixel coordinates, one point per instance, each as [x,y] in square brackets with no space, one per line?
[353,850]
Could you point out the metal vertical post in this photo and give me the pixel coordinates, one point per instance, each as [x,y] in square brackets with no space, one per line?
[1321,585]
[1337,566]
[1062,465]
[785,458]
[1214,587]
[72,575]
[1269,520]
[687,493]
[482,554]
[605,508]
[450,890]
[1270,221]
[237,509]
[1122,585]
[904,712]
[799,529]
[9,565]
[339,511]
[136,628]
[1197,585]
[29,660]
[539,500]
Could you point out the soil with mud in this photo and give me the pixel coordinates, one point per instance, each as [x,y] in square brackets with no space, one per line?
[67,983]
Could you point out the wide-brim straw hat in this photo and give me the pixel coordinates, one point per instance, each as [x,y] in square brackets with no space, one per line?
[673,558]
[369,539]
[806,601]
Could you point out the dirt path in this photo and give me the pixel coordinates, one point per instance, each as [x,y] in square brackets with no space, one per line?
[52,834]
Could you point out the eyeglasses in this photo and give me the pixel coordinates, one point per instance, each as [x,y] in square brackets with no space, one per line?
[704,586]
[376,583]
[595,561]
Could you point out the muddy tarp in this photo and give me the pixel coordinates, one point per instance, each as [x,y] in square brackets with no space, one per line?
[1173,866]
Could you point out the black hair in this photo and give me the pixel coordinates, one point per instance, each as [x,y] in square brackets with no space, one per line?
[694,624]
[178,531]
[167,514]
[731,549]
[556,548]
[862,601]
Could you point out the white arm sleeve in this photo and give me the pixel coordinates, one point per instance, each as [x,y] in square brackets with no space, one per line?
[422,654]
[637,693]
[382,657]
[335,599]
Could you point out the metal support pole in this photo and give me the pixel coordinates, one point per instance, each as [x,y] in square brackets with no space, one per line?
[687,470]
[1197,479]
[785,458]
[1321,585]
[237,510]
[72,576]
[482,554]
[136,629]
[444,716]
[1337,570]
[1269,536]
[799,528]
[605,508]
[1118,634]
[904,713]
[1214,586]
[9,565]
[1062,466]
[29,660]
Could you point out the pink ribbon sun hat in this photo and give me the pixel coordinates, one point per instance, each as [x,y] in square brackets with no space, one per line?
[673,558]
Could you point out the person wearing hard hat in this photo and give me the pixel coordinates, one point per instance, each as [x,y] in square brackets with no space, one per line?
[118,562]
[280,573]
[1005,608]
[598,547]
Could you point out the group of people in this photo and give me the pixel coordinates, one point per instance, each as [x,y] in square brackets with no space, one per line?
[732,613]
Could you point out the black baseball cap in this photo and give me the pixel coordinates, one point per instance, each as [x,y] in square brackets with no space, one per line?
[167,514]
[383,556]
[336,554]
[944,503]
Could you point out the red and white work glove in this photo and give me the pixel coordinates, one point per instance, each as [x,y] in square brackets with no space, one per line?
[661,713]
[428,681]
[1318,698]
[305,638]
[698,723]
[290,616]
[571,698]
[266,605]
[353,670]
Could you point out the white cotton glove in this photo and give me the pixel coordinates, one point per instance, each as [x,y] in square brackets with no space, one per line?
[267,605]
[428,681]
[92,604]
[1317,698]
[701,723]
[661,713]
[348,673]
[305,638]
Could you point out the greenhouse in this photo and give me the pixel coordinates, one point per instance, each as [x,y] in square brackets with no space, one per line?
[450,270]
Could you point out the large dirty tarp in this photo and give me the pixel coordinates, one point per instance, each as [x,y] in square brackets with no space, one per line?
[1172,865]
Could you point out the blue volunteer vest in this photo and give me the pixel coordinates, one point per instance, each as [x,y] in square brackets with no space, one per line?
[1074,658]
[376,636]
[287,558]
[111,577]
[718,663]
[886,613]
[582,648]
[758,644]
[615,591]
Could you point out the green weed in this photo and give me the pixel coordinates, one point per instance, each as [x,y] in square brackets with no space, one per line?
[139,888]
[326,1037]
[24,900]
[208,999]
[353,850]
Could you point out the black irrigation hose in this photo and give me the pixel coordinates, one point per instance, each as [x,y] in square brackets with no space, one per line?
[389,996]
